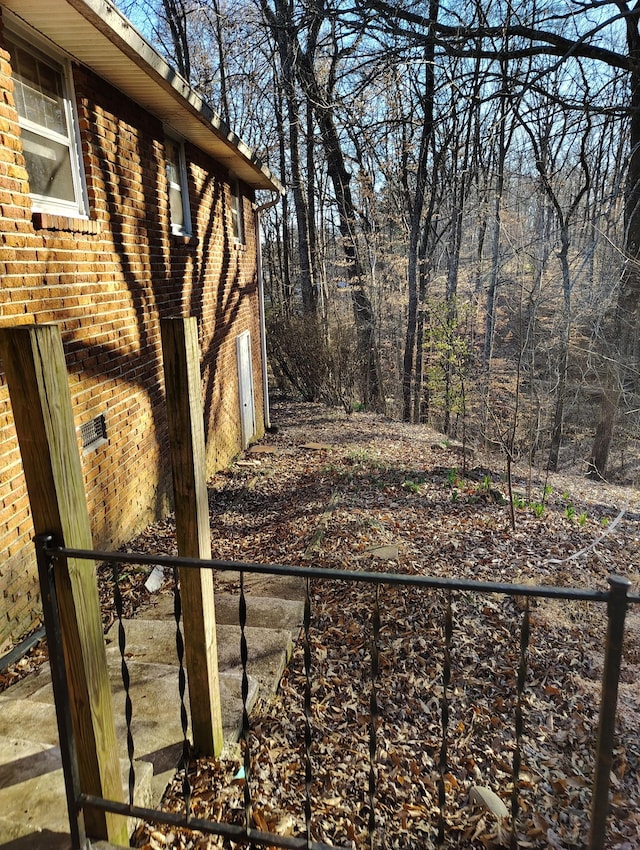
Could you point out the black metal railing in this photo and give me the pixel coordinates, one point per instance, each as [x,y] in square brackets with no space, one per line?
[616,599]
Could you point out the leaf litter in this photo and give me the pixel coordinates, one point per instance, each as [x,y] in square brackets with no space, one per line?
[366,493]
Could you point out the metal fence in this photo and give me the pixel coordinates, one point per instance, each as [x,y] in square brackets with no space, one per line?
[616,601]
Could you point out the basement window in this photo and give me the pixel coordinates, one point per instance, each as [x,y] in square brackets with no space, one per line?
[237,221]
[176,165]
[44,99]
[93,433]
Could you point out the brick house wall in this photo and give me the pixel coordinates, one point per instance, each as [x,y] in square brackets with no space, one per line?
[107,281]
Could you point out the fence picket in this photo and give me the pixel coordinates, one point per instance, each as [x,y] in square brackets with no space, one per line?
[244,657]
[308,767]
[182,689]
[616,613]
[525,632]
[374,714]
[126,679]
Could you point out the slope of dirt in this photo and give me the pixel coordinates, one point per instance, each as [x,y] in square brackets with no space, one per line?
[365,493]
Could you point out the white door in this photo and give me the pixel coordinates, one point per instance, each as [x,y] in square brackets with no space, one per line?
[245,388]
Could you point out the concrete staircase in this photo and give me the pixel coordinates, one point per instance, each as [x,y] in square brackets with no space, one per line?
[33,813]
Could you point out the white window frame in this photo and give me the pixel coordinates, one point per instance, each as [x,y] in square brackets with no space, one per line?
[237,212]
[179,228]
[28,41]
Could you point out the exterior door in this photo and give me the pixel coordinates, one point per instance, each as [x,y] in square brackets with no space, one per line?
[245,388]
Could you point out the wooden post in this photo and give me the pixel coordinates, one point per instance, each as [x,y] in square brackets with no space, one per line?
[187,448]
[34,364]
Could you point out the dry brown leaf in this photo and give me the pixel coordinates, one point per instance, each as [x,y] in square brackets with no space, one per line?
[285,825]
[482,796]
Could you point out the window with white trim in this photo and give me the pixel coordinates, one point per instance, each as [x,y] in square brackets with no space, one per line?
[43,92]
[237,220]
[176,165]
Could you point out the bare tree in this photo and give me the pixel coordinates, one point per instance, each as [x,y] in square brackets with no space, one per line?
[552,136]
[561,36]
[415,201]
[320,91]
[411,138]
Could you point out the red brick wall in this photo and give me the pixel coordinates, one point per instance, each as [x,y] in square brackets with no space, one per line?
[107,282]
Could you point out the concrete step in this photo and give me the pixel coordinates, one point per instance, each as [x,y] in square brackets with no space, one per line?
[31,720]
[40,839]
[156,725]
[266,612]
[256,584]
[36,685]
[32,799]
[145,675]
[32,791]
[154,641]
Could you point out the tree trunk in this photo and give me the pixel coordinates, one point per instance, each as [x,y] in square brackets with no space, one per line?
[501,153]
[372,394]
[563,357]
[281,27]
[623,348]
[285,265]
[222,62]
[597,462]
[419,410]
[415,207]
[410,334]
[176,17]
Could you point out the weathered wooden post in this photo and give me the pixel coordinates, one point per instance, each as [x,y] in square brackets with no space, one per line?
[34,364]
[187,447]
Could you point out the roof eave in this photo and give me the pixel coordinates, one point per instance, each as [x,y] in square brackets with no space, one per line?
[117,52]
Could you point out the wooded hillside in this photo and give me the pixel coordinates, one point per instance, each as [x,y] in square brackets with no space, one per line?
[459,241]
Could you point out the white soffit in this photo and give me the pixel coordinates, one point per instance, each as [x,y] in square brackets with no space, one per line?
[97,35]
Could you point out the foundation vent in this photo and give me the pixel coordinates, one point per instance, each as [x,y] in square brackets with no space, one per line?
[94,433]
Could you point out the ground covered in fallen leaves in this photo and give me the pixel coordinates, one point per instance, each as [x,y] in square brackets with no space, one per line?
[365,493]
